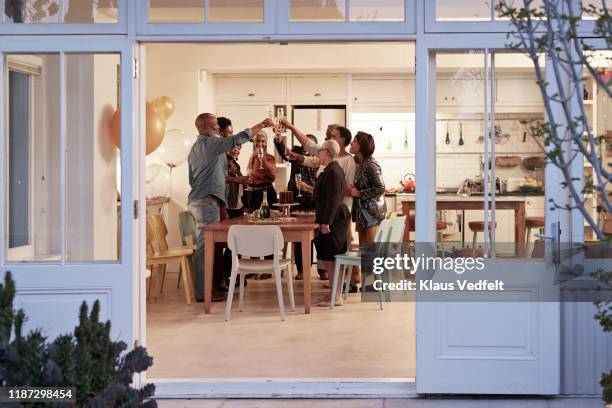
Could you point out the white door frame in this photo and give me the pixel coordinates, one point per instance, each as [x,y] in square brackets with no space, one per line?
[112,281]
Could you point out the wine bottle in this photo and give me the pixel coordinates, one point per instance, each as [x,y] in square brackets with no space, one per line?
[264,210]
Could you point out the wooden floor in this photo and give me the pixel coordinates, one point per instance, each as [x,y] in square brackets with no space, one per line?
[357,340]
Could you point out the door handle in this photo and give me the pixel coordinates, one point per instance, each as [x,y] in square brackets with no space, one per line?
[555,236]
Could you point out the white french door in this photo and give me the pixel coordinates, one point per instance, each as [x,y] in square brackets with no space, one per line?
[79,203]
[510,345]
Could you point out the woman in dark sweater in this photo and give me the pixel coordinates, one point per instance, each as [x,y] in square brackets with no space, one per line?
[331,213]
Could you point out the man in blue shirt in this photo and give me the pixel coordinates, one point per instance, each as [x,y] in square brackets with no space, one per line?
[207,169]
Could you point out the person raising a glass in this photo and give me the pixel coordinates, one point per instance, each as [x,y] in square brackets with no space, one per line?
[262,172]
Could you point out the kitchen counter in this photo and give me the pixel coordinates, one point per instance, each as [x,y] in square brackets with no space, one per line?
[455,202]
[476,198]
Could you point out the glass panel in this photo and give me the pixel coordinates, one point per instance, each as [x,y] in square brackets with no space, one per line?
[460,107]
[382,10]
[465,10]
[519,159]
[33,139]
[176,11]
[92,200]
[318,10]
[61,11]
[535,5]
[589,13]
[235,11]
[598,110]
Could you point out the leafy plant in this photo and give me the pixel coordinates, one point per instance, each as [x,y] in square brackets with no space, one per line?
[88,360]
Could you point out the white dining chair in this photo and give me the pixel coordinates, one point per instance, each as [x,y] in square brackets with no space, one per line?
[390,230]
[256,241]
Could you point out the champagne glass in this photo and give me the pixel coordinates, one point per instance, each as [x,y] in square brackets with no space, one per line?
[260,156]
[298,178]
[249,175]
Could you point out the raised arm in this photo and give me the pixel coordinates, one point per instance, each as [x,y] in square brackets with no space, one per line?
[219,145]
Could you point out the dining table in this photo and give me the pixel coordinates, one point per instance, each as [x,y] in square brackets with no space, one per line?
[445,202]
[298,228]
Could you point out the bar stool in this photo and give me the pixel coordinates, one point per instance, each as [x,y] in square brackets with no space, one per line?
[476,227]
[440,228]
[532,222]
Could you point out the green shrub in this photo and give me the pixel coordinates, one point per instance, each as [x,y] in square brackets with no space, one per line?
[88,360]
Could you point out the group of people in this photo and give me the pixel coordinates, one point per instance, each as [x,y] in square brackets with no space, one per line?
[340,186]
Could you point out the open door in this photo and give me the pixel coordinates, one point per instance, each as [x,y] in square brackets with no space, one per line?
[510,344]
[67,204]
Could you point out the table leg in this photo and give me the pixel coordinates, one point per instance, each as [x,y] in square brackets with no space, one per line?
[209,255]
[306,267]
[519,214]
[407,225]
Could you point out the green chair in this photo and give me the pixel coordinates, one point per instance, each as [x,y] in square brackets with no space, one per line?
[189,236]
[390,230]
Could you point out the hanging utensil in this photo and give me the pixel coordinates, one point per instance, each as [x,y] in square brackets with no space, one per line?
[524,136]
[481,137]
[447,141]
[461,134]
[405,136]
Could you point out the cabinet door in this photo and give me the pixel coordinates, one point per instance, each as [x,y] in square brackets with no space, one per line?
[518,91]
[383,91]
[256,89]
[317,89]
[460,92]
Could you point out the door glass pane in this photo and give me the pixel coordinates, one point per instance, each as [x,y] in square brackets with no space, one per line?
[92,198]
[382,10]
[598,108]
[235,11]
[460,134]
[61,11]
[535,5]
[519,162]
[464,10]
[318,10]
[593,9]
[176,11]
[33,139]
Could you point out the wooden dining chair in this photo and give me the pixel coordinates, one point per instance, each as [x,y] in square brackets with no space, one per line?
[159,255]
[189,237]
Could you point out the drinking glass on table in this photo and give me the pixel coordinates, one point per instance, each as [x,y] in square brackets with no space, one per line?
[298,179]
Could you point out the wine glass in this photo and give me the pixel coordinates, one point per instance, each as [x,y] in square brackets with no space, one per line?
[298,178]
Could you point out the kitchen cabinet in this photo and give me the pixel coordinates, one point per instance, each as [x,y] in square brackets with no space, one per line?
[459,92]
[317,89]
[518,91]
[382,91]
[256,89]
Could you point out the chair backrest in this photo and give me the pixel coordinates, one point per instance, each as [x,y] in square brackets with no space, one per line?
[391,229]
[187,228]
[159,232]
[255,240]
[150,249]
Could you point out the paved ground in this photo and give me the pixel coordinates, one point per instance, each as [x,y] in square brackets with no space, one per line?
[388,403]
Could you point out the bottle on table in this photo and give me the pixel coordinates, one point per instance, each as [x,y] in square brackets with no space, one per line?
[264,210]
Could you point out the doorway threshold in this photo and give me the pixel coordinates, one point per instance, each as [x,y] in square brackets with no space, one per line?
[284,388]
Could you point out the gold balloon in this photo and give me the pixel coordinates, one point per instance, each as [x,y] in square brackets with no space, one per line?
[164,105]
[156,127]
[115,129]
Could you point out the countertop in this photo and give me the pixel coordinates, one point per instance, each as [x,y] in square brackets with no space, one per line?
[477,198]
